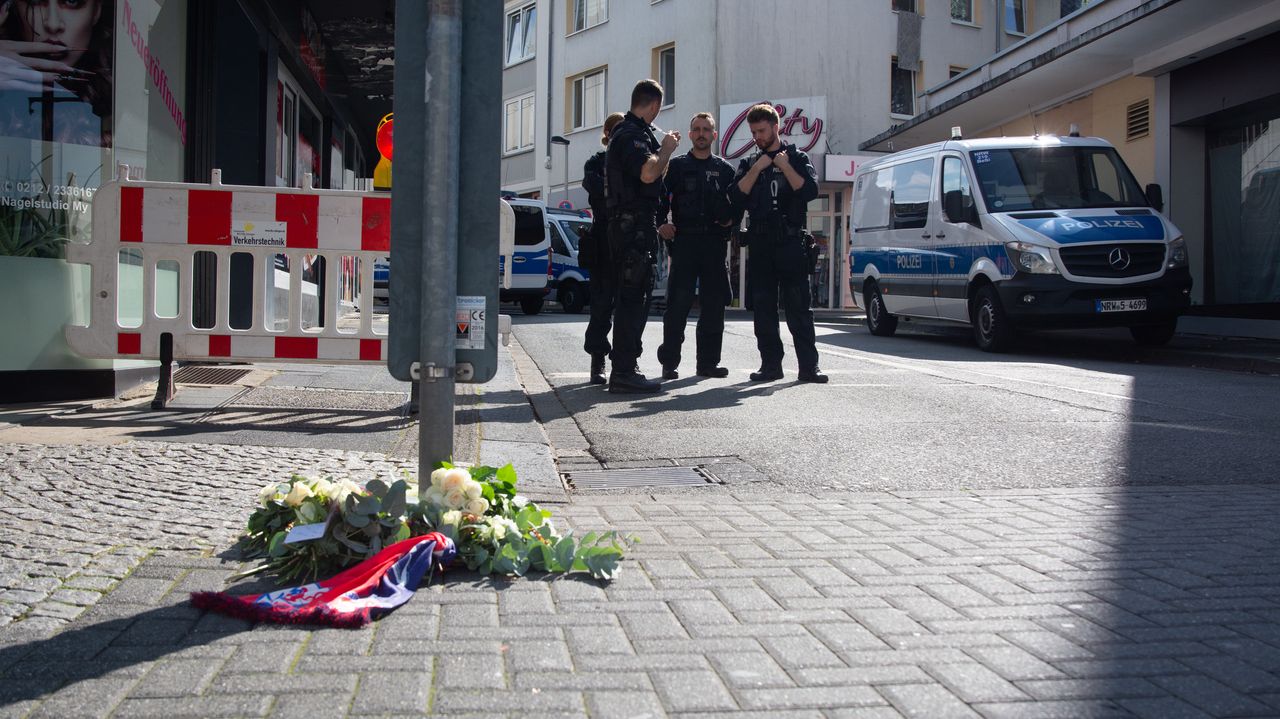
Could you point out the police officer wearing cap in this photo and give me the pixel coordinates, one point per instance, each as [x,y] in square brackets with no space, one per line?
[593,256]
[774,186]
[696,189]
[634,165]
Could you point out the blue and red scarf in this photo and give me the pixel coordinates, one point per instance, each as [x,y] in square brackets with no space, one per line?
[352,598]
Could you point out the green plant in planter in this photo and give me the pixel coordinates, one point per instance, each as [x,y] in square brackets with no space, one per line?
[29,233]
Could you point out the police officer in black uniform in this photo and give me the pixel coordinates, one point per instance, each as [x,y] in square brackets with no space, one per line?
[774,186]
[697,190]
[593,256]
[635,163]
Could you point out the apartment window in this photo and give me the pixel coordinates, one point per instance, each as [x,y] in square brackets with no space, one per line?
[962,10]
[902,91]
[1015,17]
[955,70]
[589,13]
[588,100]
[1066,7]
[521,33]
[664,68]
[518,124]
[904,5]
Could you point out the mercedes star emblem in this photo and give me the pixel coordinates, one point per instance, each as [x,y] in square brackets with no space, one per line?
[1119,258]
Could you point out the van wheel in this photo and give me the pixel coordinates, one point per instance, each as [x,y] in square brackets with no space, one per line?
[1154,335]
[879,321]
[992,329]
[531,305]
[571,297]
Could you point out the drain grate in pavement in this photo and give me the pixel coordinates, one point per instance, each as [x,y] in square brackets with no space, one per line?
[638,477]
[198,374]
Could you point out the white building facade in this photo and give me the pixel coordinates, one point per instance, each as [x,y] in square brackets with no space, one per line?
[839,71]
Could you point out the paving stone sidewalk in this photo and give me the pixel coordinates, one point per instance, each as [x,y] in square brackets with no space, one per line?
[1079,603]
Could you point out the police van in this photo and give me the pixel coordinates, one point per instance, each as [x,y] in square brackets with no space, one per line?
[1010,233]
[531,263]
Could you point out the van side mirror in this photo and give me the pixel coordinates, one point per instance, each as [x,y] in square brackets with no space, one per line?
[954,208]
[1155,197]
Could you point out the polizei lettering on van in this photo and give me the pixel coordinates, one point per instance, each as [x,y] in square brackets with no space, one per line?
[1100,225]
[910,262]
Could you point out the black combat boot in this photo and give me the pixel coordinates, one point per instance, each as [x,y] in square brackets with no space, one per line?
[670,372]
[713,371]
[632,383]
[813,375]
[767,374]
[597,370]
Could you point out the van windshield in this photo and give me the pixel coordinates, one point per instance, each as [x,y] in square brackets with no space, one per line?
[1055,178]
[573,229]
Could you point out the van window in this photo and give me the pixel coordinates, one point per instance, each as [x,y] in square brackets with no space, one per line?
[557,240]
[529,229]
[871,200]
[911,184]
[574,230]
[956,179]
[1055,178]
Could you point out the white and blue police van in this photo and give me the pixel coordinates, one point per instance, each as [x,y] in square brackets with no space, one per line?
[1003,234]
[382,280]
[531,263]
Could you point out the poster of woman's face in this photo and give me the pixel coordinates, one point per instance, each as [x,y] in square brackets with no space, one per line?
[55,70]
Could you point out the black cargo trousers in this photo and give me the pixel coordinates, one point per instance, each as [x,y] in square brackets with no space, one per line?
[633,244]
[697,265]
[777,266]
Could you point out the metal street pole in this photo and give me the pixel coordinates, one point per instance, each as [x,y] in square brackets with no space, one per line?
[563,142]
[439,257]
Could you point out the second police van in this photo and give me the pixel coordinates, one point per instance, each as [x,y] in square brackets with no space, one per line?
[531,264]
[1009,233]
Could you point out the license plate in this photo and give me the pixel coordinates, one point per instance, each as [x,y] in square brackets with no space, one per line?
[1136,305]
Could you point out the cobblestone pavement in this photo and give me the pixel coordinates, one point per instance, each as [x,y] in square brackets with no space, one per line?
[1071,603]
[78,519]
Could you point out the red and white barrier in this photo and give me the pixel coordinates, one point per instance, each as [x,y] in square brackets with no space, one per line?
[170,222]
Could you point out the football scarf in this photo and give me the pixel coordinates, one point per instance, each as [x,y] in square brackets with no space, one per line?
[353,598]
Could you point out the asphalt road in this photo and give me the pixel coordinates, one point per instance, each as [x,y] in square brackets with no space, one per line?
[926,410]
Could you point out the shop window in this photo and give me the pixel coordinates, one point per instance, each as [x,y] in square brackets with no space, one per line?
[962,10]
[518,119]
[589,13]
[902,91]
[588,100]
[1015,17]
[521,34]
[664,68]
[1137,121]
[1244,197]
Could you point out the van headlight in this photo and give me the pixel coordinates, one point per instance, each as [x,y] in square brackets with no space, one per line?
[1177,253]
[1031,258]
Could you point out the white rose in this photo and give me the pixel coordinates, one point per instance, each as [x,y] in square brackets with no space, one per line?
[344,489]
[454,518]
[455,478]
[455,499]
[473,490]
[267,493]
[322,487]
[477,506]
[437,477]
[297,495]
[433,497]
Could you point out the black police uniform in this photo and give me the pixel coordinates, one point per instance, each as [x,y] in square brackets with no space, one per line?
[594,256]
[697,193]
[779,260]
[633,244]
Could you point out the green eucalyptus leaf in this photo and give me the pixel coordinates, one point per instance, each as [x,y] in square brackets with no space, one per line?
[396,499]
[276,546]
[359,521]
[565,551]
[542,558]
[369,505]
[376,487]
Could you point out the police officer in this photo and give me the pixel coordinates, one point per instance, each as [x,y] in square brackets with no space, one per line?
[634,165]
[697,190]
[774,186]
[593,256]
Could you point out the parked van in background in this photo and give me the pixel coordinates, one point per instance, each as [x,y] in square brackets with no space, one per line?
[531,264]
[1010,233]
